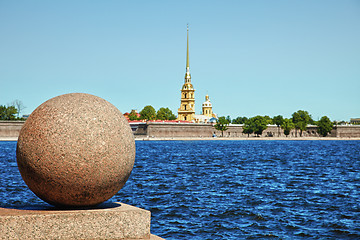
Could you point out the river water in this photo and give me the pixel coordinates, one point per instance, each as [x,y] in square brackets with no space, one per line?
[232,189]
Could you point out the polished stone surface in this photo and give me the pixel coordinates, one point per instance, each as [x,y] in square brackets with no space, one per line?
[119,221]
[75,150]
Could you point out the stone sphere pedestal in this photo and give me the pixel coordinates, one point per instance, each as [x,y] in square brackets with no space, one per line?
[76,151]
[120,221]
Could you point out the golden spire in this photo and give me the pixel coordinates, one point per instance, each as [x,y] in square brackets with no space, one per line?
[187,49]
[187,75]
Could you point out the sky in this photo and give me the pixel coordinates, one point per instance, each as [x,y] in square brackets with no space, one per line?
[251,57]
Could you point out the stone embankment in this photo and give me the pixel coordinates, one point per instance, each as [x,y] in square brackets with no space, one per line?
[9,131]
[165,130]
[243,138]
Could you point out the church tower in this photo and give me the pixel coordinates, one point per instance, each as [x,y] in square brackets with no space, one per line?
[186,111]
[207,107]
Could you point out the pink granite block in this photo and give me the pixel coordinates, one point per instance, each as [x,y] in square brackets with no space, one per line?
[119,222]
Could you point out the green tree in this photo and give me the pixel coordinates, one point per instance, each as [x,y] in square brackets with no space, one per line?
[255,125]
[287,125]
[278,121]
[148,113]
[133,115]
[221,125]
[8,113]
[165,114]
[2,112]
[324,126]
[301,119]
[228,119]
[311,121]
[268,119]
[248,128]
[239,120]
[259,124]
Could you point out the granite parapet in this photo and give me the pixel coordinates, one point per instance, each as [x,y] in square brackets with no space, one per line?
[118,221]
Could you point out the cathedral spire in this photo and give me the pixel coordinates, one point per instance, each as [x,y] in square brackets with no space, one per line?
[187,50]
[187,75]
[186,112]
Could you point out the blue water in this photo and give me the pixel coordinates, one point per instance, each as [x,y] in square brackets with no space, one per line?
[233,189]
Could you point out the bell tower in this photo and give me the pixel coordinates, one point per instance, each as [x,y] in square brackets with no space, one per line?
[186,111]
[207,107]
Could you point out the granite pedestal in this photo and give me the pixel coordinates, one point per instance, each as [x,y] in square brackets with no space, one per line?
[114,221]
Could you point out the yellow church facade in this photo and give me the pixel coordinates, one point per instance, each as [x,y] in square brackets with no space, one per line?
[186,112]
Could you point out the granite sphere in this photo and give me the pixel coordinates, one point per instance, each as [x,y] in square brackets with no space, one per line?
[75,150]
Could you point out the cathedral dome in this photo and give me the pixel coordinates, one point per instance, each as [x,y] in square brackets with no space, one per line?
[207,102]
[187,86]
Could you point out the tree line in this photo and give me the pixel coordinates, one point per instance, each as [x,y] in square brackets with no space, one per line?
[254,125]
[149,113]
[11,111]
[258,124]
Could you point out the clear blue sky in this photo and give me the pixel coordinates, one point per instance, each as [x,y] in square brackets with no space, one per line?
[251,57]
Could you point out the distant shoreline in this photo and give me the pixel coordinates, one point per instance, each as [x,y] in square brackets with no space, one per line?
[14,139]
[242,138]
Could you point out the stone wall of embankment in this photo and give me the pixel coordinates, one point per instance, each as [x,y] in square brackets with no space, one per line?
[198,130]
[11,129]
[156,129]
[351,131]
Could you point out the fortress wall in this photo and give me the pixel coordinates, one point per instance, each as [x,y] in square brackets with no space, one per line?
[236,130]
[10,128]
[347,131]
[139,129]
[156,129]
[173,130]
